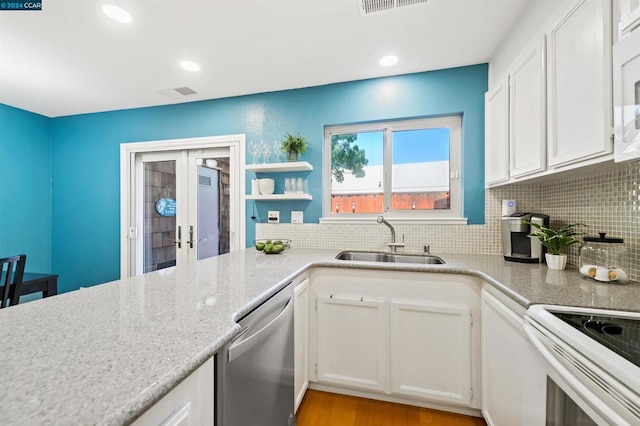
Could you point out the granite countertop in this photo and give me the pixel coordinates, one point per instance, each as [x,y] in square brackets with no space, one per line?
[103,355]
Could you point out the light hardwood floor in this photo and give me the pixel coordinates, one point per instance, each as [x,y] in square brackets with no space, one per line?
[329,409]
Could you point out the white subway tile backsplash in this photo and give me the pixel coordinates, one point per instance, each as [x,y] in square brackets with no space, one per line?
[607,201]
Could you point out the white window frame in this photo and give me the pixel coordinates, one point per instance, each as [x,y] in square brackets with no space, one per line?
[451,216]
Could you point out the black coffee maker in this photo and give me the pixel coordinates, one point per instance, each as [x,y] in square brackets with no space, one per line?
[516,243]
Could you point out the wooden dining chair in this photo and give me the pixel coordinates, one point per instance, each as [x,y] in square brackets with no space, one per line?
[11,273]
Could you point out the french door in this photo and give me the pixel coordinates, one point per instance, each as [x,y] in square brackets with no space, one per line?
[179,205]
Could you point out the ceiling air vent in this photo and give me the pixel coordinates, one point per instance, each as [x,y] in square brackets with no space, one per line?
[374,6]
[176,93]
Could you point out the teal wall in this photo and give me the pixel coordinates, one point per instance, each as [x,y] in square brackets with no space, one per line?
[25,187]
[85,204]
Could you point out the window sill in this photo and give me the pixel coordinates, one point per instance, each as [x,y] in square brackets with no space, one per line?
[396,220]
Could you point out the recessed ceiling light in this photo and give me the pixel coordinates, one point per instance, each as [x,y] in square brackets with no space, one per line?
[190,66]
[117,13]
[389,60]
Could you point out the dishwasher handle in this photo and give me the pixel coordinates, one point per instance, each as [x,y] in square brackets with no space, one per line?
[237,349]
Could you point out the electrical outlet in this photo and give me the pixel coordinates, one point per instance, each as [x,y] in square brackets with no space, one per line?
[273,216]
[297,217]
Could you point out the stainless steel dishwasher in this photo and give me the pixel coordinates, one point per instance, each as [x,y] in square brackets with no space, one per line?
[254,372]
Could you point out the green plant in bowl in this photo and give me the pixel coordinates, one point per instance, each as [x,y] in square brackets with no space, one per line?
[272,246]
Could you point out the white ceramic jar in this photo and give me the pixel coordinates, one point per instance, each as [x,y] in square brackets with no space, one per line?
[267,186]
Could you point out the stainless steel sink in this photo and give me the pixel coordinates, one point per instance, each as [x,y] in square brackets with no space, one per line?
[379,256]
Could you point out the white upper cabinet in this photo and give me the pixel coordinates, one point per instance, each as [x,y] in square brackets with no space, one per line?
[515,123]
[556,99]
[579,83]
[626,95]
[629,13]
[496,141]
[527,139]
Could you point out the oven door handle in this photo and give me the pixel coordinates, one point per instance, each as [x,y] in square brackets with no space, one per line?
[239,348]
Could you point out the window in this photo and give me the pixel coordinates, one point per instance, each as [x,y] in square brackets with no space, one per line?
[407,170]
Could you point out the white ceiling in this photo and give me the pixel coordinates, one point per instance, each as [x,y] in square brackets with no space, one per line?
[70,58]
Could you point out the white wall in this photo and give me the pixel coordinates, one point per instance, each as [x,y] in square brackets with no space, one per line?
[532,22]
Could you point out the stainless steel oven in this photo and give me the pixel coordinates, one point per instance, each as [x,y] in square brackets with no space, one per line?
[591,359]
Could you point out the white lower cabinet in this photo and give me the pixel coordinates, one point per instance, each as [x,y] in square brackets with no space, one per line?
[404,334]
[503,351]
[430,345]
[351,341]
[301,339]
[191,403]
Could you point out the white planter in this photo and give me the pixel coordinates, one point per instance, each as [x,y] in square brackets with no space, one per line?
[556,261]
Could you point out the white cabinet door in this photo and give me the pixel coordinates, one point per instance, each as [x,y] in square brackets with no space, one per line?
[503,346]
[351,341]
[527,124]
[301,340]
[430,350]
[496,141]
[626,96]
[191,403]
[579,83]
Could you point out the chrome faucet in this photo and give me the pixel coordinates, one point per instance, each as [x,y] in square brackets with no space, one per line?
[393,244]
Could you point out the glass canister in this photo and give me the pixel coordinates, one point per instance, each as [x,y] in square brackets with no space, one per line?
[604,258]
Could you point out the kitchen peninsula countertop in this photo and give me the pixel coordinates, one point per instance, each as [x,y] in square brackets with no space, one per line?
[105,354]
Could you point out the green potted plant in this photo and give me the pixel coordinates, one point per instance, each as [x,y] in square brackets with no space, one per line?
[293,145]
[556,241]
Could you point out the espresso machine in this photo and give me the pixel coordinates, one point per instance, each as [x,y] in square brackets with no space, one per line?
[516,243]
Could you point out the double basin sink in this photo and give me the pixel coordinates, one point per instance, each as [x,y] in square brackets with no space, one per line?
[379,256]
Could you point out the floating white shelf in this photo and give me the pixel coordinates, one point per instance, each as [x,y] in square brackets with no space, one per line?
[279,197]
[294,166]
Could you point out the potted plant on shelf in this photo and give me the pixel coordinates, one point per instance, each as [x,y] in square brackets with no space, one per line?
[556,241]
[293,145]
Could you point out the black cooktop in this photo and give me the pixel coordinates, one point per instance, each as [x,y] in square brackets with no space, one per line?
[621,335]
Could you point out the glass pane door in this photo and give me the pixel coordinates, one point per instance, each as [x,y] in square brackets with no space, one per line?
[180,204]
[159,230]
[160,233]
[211,211]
